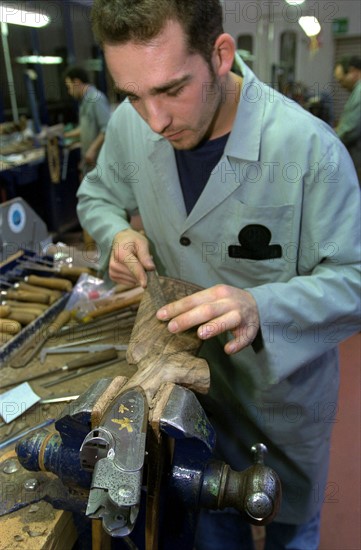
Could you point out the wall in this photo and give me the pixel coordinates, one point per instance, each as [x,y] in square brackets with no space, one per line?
[267,19]
[68,35]
[264,19]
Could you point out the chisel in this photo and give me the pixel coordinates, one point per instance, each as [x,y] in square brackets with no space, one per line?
[52,294]
[28,352]
[155,290]
[24,305]
[87,361]
[80,372]
[115,306]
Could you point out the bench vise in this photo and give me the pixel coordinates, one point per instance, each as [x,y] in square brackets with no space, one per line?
[145,472]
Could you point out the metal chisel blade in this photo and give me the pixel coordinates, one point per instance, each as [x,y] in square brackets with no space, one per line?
[155,290]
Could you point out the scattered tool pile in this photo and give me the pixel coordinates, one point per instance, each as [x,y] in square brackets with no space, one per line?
[27,297]
[41,336]
[31,302]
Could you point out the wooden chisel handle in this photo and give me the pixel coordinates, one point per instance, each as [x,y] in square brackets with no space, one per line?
[50,282]
[22,317]
[74,272]
[30,308]
[5,337]
[118,304]
[25,296]
[39,290]
[59,321]
[25,305]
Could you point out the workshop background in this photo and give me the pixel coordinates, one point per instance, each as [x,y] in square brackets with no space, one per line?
[41,167]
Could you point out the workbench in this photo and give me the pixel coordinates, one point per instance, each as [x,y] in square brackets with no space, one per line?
[133,413]
[30,179]
[39,526]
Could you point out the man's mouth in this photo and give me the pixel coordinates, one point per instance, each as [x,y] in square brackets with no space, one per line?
[174,136]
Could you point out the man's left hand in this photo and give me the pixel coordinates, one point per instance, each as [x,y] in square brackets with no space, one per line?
[215,310]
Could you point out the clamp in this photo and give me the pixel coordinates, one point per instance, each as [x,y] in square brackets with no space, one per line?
[146,473]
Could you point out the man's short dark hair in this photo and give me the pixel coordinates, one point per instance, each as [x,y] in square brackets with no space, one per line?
[121,21]
[77,72]
[350,61]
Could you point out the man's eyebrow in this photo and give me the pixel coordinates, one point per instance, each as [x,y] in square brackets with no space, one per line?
[171,84]
[157,89]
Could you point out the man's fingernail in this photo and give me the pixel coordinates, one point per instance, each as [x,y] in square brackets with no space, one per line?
[162,314]
[173,326]
[231,348]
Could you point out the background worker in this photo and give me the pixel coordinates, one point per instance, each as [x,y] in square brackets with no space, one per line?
[94,114]
[348,75]
[234,199]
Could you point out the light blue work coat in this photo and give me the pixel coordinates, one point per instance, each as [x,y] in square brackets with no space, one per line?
[285,170]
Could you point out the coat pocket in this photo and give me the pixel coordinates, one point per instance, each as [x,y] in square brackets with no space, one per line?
[256,243]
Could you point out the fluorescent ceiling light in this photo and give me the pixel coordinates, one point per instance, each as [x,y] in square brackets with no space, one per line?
[42,59]
[295,2]
[310,25]
[12,15]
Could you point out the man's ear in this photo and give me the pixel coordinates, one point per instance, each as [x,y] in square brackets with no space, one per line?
[223,56]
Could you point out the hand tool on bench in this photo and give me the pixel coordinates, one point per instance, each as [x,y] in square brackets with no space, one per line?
[115,305]
[56,350]
[89,360]
[25,305]
[25,296]
[29,350]
[84,371]
[95,326]
[22,285]
[53,283]
[63,270]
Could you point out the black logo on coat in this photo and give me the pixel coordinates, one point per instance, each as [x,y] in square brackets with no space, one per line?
[254,242]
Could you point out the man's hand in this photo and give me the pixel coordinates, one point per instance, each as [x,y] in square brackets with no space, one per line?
[130,258]
[218,309]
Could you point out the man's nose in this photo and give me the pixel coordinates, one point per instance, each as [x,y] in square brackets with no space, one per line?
[157,115]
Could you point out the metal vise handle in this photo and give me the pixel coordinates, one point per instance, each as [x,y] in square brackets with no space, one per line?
[254,492]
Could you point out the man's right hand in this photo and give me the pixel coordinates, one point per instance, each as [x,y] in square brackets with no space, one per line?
[130,258]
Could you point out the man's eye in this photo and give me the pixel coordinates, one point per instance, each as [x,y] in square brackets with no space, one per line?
[133,98]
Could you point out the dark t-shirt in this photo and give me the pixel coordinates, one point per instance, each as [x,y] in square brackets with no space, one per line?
[195,167]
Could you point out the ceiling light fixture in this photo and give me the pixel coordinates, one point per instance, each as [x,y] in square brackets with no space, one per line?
[41,59]
[310,25]
[10,14]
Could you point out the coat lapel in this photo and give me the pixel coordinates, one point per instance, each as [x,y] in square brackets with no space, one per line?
[165,183]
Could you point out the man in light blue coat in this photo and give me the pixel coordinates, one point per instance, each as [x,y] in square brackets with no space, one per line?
[246,194]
